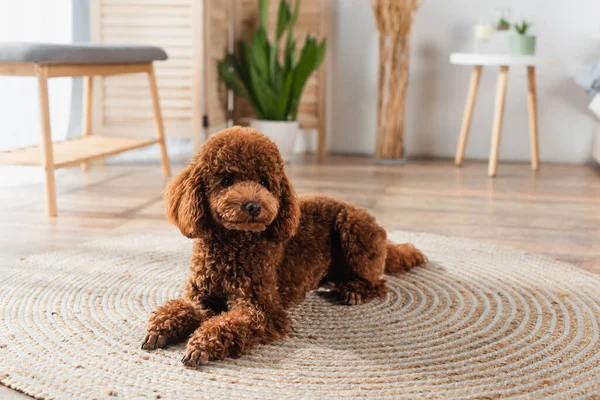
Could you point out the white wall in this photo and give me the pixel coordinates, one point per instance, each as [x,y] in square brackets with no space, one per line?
[32,21]
[567,29]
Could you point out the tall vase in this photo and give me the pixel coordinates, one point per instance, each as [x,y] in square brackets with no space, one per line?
[391,102]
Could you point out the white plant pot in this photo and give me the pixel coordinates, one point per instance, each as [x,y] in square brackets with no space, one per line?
[283,133]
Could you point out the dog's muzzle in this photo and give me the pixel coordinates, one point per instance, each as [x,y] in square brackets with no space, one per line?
[253,208]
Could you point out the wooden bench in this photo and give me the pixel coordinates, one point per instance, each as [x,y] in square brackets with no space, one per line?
[45,61]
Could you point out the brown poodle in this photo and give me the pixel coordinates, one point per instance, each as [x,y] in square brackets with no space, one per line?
[259,249]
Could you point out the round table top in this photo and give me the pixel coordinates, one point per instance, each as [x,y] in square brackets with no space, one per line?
[498,59]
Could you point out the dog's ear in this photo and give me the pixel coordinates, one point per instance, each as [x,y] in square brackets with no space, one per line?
[285,224]
[184,202]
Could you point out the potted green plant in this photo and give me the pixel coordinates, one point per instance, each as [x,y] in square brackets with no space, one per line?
[520,43]
[502,25]
[273,83]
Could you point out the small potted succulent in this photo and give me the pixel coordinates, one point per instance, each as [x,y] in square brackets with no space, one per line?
[522,44]
[502,24]
[272,82]
[502,18]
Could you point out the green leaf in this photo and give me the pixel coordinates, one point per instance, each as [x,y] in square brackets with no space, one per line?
[290,55]
[523,27]
[262,40]
[263,12]
[274,67]
[243,62]
[294,17]
[290,48]
[306,64]
[320,53]
[259,53]
[283,19]
[283,102]
[243,69]
[264,95]
[278,75]
[226,71]
[305,67]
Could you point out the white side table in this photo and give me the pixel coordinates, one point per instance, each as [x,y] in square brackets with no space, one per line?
[502,61]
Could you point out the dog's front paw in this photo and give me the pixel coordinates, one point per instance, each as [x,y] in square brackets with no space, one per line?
[201,349]
[198,353]
[154,340]
[195,358]
[359,292]
[350,298]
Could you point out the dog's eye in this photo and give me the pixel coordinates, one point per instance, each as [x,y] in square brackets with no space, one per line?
[264,183]
[227,181]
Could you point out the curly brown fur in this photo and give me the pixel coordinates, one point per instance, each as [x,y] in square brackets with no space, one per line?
[259,249]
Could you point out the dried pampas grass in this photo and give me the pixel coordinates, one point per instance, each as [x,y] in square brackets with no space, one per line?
[394,21]
[394,17]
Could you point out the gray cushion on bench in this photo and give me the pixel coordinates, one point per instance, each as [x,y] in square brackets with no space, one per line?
[78,53]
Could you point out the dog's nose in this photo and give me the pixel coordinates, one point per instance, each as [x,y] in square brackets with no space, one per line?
[254,208]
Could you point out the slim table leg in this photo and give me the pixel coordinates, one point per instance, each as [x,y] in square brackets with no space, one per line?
[533,121]
[468,115]
[498,116]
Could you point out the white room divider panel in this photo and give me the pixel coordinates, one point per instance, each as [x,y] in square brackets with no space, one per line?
[121,104]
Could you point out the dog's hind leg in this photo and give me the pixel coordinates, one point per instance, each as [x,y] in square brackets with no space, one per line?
[172,322]
[403,257]
[359,259]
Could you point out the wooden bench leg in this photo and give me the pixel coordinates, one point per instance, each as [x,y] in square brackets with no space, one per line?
[533,121]
[87,112]
[498,116]
[46,148]
[160,130]
[468,115]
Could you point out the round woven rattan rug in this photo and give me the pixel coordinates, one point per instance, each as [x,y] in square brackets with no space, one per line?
[478,322]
